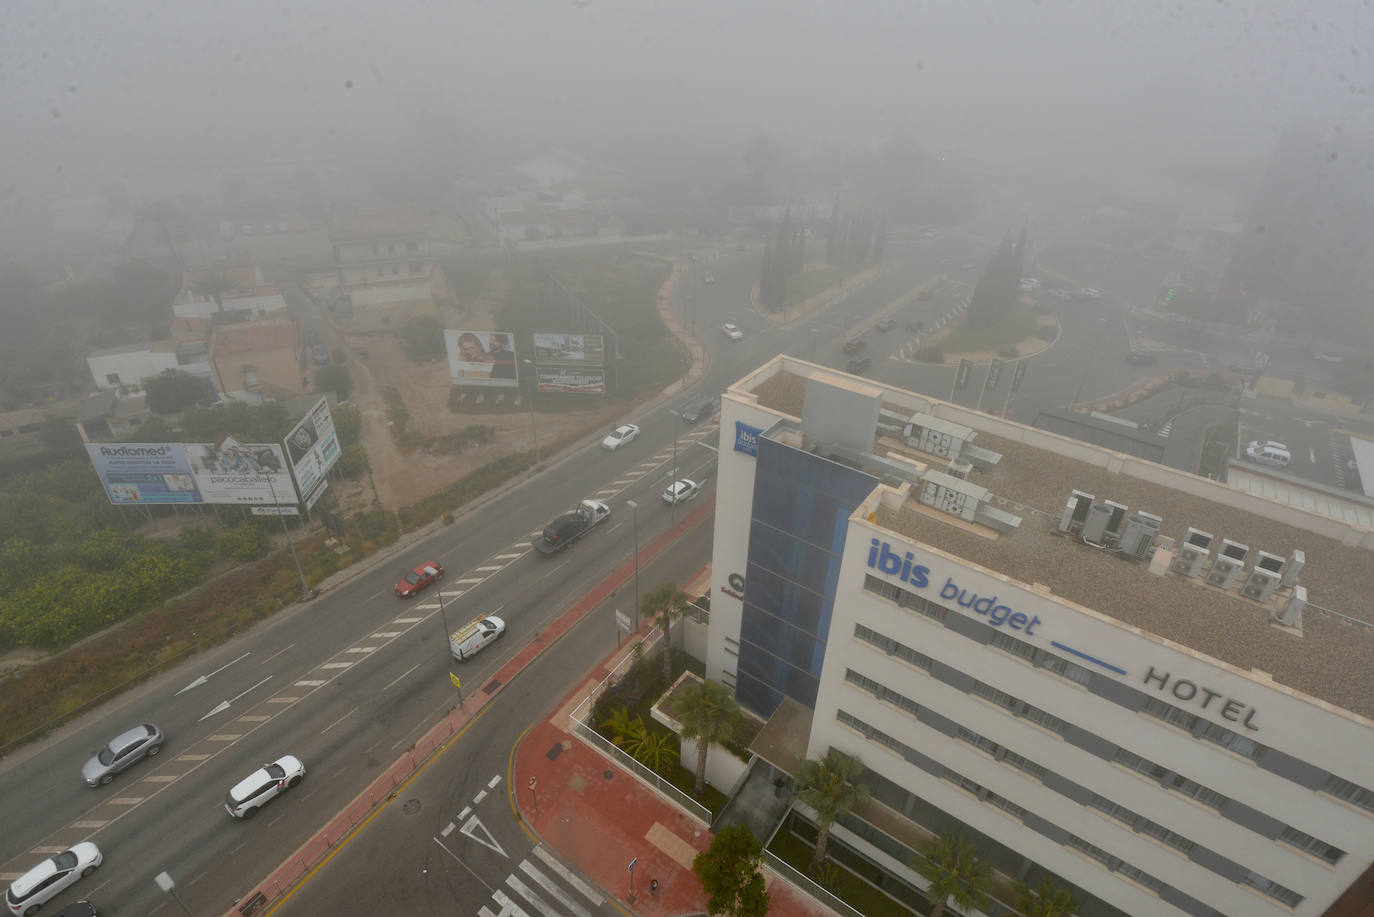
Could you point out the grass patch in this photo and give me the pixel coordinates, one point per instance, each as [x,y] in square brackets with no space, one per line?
[839,881]
[1016,325]
[803,286]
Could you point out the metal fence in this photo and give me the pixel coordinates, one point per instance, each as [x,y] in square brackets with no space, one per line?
[583,729]
[786,871]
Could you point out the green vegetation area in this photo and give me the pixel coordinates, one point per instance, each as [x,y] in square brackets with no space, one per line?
[1012,327]
[806,284]
[837,880]
[620,287]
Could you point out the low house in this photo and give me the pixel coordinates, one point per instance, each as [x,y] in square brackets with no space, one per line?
[259,361]
[209,291]
[123,369]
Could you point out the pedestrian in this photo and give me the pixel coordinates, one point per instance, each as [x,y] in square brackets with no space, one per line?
[653,886]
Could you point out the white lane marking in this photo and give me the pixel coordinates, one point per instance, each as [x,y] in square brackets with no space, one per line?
[488,569]
[508,907]
[94,823]
[361,649]
[549,886]
[386,634]
[508,556]
[448,829]
[476,800]
[224,705]
[472,579]
[406,620]
[310,683]
[336,665]
[464,814]
[202,679]
[622,482]
[402,675]
[576,882]
[606,493]
[473,826]
[282,699]
[276,654]
[127,800]
[338,721]
[554,570]
[540,905]
[491,784]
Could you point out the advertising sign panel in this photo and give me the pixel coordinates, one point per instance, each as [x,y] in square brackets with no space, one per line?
[227,472]
[313,448]
[571,379]
[576,349]
[482,358]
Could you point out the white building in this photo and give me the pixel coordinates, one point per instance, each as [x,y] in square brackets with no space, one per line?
[242,288]
[125,368]
[1036,642]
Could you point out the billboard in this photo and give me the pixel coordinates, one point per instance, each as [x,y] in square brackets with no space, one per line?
[313,448]
[227,472]
[574,349]
[571,379]
[482,358]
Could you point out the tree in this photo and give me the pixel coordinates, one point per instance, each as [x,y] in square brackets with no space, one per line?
[654,749]
[176,390]
[951,865]
[708,713]
[214,286]
[728,871]
[334,378]
[1047,899]
[829,786]
[663,605]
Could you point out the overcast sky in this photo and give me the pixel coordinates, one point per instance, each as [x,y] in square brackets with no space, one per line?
[142,86]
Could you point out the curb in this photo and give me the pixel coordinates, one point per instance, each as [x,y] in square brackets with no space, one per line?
[285,878]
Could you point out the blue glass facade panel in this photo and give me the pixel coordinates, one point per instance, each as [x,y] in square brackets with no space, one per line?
[769,591]
[792,645]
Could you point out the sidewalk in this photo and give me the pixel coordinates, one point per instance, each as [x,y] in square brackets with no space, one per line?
[598,817]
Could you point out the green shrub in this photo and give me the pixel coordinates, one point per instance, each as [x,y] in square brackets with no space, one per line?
[244,542]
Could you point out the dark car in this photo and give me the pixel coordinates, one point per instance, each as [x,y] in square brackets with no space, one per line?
[426,574]
[886,324]
[698,410]
[915,327]
[855,345]
[1141,358]
[79,909]
[860,365]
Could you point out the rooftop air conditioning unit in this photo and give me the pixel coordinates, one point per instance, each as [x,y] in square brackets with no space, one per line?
[960,470]
[1290,615]
[1192,553]
[1229,564]
[1103,522]
[1139,535]
[1075,511]
[1260,584]
[1292,568]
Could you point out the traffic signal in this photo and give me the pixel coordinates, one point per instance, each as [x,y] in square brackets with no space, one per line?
[1169,296]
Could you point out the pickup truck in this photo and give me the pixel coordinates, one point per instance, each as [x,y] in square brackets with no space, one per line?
[571,526]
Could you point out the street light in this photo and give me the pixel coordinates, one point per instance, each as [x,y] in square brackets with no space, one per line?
[533,432]
[165,883]
[634,508]
[305,590]
[448,646]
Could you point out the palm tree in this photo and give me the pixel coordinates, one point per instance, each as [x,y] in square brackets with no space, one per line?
[1048,899]
[951,865]
[708,713]
[829,786]
[621,724]
[664,605]
[651,748]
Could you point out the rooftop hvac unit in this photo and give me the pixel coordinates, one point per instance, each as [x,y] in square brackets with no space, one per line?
[1290,614]
[1225,573]
[960,470]
[1139,535]
[1103,522]
[1260,584]
[1075,511]
[1192,553]
[1296,560]
[1234,550]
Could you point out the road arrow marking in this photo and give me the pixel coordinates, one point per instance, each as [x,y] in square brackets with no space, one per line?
[224,705]
[472,826]
[202,679]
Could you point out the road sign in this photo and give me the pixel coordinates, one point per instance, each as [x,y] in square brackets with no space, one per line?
[533,783]
[622,621]
[275,511]
[632,864]
[454,678]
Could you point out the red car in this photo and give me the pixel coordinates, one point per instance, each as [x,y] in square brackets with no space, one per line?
[427,574]
[855,345]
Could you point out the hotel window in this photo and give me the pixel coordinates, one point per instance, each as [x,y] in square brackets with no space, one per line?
[1170,714]
[979,742]
[1141,877]
[1273,889]
[1309,844]
[1006,805]
[1139,764]
[1045,720]
[1065,669]
[1097,853]
[1197,791]
[1349,792]
[1231,741]
[1024,764]
[1000,698]
[1011,645]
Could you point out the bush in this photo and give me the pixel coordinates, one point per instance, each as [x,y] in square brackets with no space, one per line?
[244,542]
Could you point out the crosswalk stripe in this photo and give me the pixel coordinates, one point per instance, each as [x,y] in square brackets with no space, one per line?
[407,620]
[361,649]
[336,665]
[309,683]
[549,886]
[386,634]
[508,907]
[529,895]
[487,569]
[471,579]
[591,894]
[508,556]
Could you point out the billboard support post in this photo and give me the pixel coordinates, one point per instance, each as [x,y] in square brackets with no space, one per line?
[533,432]
[305,590]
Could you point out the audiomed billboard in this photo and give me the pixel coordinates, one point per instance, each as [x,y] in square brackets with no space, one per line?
[313,448]
[570,363]
[482,358]
[226,472]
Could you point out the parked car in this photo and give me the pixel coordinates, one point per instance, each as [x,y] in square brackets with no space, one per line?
[1090,293]
[263,785]
[52,877]
[1329,357]
[886,324]
[709,278]
[81,908]
[1142,358]
[618,437]
[860,365]
[422,577]
[681,491]
[855,345]
[731,330]
[121,752]
[698,410]
[319,354]
[967,266]
[474,636]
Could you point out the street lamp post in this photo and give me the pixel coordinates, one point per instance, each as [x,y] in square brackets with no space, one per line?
[448,650]
[634,508]
[533,432]
[672,507]
[165,883]
[305,590]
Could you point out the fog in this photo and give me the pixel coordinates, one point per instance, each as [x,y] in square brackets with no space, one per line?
[93,94]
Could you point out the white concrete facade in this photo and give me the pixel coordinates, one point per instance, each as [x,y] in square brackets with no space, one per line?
[983,788]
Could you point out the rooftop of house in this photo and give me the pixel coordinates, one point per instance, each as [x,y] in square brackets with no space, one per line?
[255,336]
[1038,470]
[366,227]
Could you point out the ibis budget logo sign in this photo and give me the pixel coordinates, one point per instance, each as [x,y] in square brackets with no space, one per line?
[882,558]
[747,438]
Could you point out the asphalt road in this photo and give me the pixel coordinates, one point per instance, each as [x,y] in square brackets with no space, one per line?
[450,842]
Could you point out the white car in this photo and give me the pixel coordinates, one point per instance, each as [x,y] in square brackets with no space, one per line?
[1061,294]
[469,639]
[1329,357]
[51,877]
[1090,293]
[709,278]
[1029,283]
[731,330]
[620,436]
[263,785]
[681,491]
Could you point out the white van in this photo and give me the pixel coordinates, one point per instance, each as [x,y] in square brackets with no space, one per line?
[467,640]
[1269,453]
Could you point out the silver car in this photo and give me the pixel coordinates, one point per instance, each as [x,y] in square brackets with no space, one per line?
[122,751]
